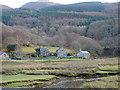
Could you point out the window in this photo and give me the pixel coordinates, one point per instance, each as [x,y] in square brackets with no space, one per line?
[4,55]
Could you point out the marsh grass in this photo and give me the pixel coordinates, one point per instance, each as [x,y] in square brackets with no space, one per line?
[112,67]
[108,82]
[106,72]
[48,69]
[55,60]
[12,63]
[66,64]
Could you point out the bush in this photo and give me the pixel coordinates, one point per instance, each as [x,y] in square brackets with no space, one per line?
[69,54]
[11,47]
[29,45]
[33,55]
[44,56]
[55,54]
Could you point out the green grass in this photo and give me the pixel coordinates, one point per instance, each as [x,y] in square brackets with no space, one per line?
[109,82]
[111,79]
[101,84]
[54,60]
[22,80]
[11,63]
[22,77]
[42,57]
[114,67]
[27,50]
[41,70]
[105,72]
[15,62]
[108,69]
[21,84]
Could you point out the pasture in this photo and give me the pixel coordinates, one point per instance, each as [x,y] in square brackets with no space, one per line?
[27,50]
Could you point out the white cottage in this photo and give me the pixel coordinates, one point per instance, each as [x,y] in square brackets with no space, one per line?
[4,56]
[61,53]
[83,54]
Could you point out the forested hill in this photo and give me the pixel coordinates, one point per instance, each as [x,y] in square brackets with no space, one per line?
[90,29]
[79,7]
[109,8]
[38,5]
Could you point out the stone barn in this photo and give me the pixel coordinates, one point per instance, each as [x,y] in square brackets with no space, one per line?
[61,53]
[44,52]
[83,54]
[4,56]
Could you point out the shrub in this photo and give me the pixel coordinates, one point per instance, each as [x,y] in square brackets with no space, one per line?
[29,45]
[69,54]
[55,54]
[11,47]
[33,55]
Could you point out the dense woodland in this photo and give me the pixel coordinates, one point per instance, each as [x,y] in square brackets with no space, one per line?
[72,26]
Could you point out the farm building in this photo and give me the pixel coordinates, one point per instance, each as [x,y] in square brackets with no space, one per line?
[61,53]
[4,56]
[83,54]
[44,52]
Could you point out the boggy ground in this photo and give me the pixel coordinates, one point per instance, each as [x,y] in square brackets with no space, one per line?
[59,67]
[109,82]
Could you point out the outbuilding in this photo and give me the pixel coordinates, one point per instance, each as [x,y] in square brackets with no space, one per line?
[83,54]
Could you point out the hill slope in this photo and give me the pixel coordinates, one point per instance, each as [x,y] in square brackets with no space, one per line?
[38,5]
[79,7]
[4,7]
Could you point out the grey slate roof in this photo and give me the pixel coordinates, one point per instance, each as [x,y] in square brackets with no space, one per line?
[44,50]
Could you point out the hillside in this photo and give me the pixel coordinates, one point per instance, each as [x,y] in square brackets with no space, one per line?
[111,8]
[79,7]
[108,8]
[38,5]
[4,7]
[90,29]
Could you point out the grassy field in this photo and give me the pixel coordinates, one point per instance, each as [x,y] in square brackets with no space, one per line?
[47,69]
[109,82]
[56,60]
[22,84]
[67,64]
[23,77]
[22,80]
[27,50]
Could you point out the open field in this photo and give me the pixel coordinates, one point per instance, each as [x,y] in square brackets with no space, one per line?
[27,50]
